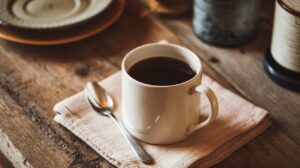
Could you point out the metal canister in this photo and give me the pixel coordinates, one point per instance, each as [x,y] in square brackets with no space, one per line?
[226,22]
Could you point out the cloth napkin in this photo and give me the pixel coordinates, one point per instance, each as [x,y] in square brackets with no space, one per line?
[238,122]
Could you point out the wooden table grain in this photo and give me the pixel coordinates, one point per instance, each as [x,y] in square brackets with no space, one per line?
[34,78]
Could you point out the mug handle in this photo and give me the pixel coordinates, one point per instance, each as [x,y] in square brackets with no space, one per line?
[213,103]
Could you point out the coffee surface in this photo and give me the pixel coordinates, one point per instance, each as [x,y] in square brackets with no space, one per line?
[161,71]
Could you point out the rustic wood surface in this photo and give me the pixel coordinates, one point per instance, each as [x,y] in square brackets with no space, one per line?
[33,79]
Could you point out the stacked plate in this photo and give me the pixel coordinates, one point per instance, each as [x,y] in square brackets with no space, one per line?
[49,22]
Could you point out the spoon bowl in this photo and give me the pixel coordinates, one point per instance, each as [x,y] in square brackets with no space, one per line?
[102,103]
[98,97]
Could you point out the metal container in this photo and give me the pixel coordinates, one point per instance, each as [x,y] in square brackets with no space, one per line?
[226,22]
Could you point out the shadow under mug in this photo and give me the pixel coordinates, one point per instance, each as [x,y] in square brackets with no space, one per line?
[164,114]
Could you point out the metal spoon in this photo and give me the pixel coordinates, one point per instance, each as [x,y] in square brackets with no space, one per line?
[102,103]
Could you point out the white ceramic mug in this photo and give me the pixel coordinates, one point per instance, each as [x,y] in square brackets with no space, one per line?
[164,114]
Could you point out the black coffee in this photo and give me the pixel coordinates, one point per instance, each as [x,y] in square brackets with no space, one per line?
[161,71]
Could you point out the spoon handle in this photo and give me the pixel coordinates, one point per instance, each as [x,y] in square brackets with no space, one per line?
[135,146]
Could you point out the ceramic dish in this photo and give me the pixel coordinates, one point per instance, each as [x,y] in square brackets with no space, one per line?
[96,25]
[49,14]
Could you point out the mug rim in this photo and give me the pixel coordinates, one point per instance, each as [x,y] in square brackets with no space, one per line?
[192,54]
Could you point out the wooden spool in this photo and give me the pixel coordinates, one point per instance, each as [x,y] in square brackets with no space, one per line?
[285,46]
[282,61]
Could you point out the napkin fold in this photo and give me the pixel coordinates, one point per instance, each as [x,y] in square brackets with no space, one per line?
[238,122]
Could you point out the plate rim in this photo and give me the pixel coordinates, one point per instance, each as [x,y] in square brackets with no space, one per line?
[65,40]
[57,26]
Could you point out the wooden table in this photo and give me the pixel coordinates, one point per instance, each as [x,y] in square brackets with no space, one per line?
[33,79]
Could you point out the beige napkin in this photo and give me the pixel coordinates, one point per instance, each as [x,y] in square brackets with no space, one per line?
[238,122]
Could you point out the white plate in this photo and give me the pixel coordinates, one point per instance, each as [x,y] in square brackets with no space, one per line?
[49,14]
